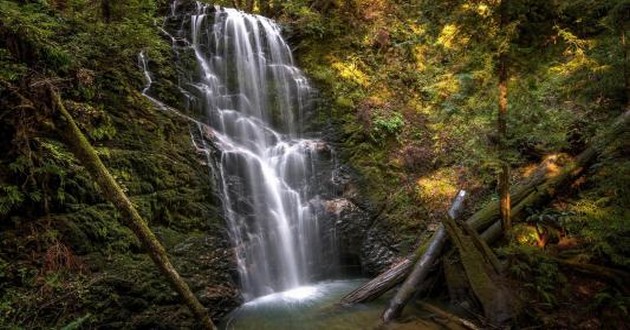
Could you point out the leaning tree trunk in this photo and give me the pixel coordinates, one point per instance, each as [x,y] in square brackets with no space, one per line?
[423,266]
[81,148]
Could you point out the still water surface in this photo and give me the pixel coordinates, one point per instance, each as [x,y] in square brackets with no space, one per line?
[315,307]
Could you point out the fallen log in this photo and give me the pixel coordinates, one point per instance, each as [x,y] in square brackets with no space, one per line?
[85,153]
[444,314]
[547,189]
[539,187]
[480,220]
[423,266]
[379,285]
[482,272]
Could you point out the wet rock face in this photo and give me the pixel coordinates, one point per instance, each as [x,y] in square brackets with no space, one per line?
[350,224]
[363,248]
[377,252]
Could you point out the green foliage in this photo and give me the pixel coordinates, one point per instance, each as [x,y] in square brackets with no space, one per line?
[613,299]
[600,216]
[48,195]
[385,126]
[9,69]
[32,31]
[10,196]
[540,275]
[311,24]
[76,324]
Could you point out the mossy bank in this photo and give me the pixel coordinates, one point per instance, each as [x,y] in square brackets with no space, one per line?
[65,257]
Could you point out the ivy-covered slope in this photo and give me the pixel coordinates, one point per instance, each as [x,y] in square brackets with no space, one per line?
[65,257]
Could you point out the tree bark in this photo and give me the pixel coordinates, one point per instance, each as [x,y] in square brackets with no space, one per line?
[422,267]
[106,11]
[81,148]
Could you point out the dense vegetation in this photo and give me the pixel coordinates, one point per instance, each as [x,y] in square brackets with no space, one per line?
[66,259]
[409,92]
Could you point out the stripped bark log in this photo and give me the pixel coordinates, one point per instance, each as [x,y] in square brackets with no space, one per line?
[81,148]
[422,267]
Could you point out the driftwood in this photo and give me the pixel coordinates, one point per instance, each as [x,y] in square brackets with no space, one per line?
[423,266]
[81,148]
[540,187]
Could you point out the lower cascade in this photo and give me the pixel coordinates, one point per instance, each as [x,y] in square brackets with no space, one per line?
[252,102]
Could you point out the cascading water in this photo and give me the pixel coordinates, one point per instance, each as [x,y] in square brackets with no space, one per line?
[254,99]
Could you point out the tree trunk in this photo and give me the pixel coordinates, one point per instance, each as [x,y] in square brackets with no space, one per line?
[504,176]
[81,148]
[626,74]
[106,11]
[422,267]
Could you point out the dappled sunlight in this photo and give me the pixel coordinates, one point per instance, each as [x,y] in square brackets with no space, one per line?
[350,70]
[576,56]
[550,166]
[527,235]
[438,189]
[480,9]
[451,38]
[419,53]
[447,86]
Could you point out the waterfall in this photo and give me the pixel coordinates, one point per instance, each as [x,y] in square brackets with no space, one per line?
[247,90]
